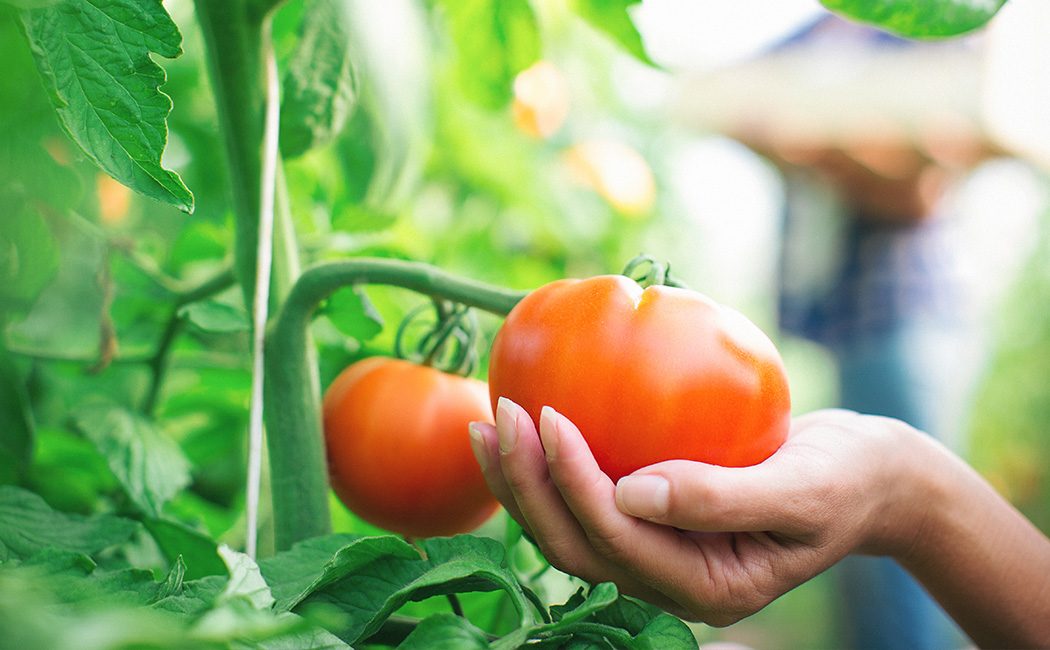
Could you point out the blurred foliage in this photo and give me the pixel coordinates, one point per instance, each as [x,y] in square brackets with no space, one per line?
[1010,437]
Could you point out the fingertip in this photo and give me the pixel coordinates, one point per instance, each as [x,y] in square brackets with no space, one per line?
[548,417]
[480,433]
[505,411]
[511,420]
[549,432]
[561,438]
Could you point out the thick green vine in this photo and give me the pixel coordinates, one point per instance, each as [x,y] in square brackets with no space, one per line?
[298,472]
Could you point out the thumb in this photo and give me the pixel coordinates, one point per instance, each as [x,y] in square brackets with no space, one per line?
[710,498]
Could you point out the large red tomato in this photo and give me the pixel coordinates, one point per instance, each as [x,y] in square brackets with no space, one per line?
[399,451]
[647,375]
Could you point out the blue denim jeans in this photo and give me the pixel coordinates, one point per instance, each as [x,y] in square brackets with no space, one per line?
[922,372]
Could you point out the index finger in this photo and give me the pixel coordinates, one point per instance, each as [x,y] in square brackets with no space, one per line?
[655,554]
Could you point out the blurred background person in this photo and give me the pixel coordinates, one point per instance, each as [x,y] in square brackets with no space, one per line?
[876,283]
[896,319]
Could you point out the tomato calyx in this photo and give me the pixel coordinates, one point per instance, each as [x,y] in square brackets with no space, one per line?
[648,271]
[447,341]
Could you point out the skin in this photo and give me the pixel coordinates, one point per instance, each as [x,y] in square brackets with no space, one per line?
[716,544]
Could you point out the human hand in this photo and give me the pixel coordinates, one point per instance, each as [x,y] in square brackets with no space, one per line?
[705,542]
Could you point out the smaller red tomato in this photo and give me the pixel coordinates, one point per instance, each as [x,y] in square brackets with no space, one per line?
[399,452]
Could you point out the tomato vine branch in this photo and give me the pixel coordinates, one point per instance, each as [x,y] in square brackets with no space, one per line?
[217,283]
[299,474]
[158,361]
[235,46]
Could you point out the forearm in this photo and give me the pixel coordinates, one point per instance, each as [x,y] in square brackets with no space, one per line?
[986,564]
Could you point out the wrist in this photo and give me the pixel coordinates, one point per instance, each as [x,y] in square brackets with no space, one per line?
[916,481]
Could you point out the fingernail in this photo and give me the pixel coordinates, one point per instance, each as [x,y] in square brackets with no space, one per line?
[643,496]
[477,443]
[549,433]
[506,425]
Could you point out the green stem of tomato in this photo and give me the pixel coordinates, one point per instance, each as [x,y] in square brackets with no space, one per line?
[299,474]
[158,362]
[237,34]
[236,37]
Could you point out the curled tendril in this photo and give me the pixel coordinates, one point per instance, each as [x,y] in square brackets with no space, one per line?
[448,342]
[648,271]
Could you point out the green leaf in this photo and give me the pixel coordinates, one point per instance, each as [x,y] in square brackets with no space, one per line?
[320,86]
[494,41]
[371,577]
[149,466]
[52,561]
[614,19]
[193,597]
[357,156]
[16,422]
[378,587]
[351,217]
[666,632]
[216,317]
[30,4]
[27,172]
[94,58]
[574,601]
[74,578]
[245,609]
[353,314]
[58,599]
[195,551]
[236,624]
[603,618]
[311,639]
[315,563]
[176,578]
[601,596]
[66,317]
[628,613]
[68,472]
[28,524]
[28,258]
[246,580]
[445,632]
[919,18]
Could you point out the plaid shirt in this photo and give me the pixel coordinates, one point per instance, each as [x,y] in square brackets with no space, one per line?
[887,274]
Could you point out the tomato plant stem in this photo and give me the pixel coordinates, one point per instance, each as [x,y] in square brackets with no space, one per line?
[158,362]
[457,607]
[299,474]
[321,281]
[237,34]
[236,37]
